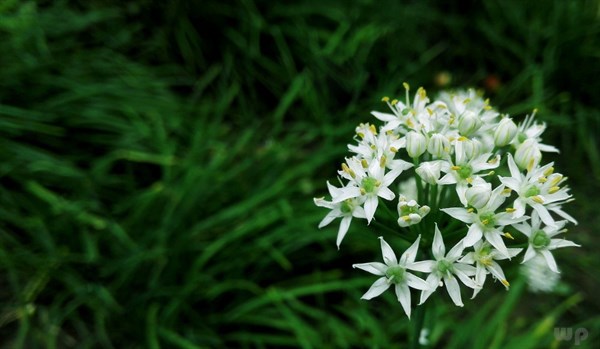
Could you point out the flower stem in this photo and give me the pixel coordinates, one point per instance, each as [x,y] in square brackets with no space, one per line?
[417,322]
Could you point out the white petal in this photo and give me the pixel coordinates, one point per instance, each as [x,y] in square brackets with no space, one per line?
[514,169]
[389,257]
[453,290]
[359,212]
[378,287]
[550,260]
[519,207]
[403,294]
[529,254]
[422,266]
[461,190]
[511,253]
[498,273]
[473,235]
[447,179]
[433,281]
[416,282]
[438,248]
[386,193]
[329,218]
[384,116]
[411,253]
[347,193]
[559,243]
[371,206]
[459,213]
[456,251]
[496,241]
[344,225]
[544,214]
[375,268]
[510,182]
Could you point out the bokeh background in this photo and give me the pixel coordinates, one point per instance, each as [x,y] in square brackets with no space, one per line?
[158,162]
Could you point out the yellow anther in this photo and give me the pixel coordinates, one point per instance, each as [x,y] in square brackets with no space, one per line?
[455,168]
[364,163]
[553,190]
[487,101]
[486,261]
[382,161]
[373,146]
[535,111]
[507,234]
[406,218]
[394,101]
[393,150]
[429,111]
[378,183]
[447,149]
[487,107]
[470,210]
[510,209]
[485,221]
[409,123]
[451,139]
[493,161]
[556,180]
[406,86]
[451,120]
[373,129]
[347,169]
[469,180]
[542,179]
[538,199]
[549,171]
[530,165]
[466,101]
[463,138]
[422,93]
[385,99]
[506,191]
[491,173]
[505,283]
[363,191]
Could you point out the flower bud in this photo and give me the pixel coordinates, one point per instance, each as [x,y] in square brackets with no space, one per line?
[479,194]
[469,123]
[505,133]
[528,154]
[410,212]
[416,144]
[471,148]
[429,171]
[438,145]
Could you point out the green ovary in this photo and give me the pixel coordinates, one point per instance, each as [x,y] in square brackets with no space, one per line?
[532,191]
[346,206]
[369,184]
[396,274]
[465,171]
[487,219]
[540,239]
[444,267]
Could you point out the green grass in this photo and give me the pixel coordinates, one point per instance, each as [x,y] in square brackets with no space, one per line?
[159,161]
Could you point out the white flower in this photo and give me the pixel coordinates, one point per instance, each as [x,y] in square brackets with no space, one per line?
[395,272]
[484,257]
[381,147]
[446,267]
[539,276]
[529,129]
[410,212]
[345,209]
[540,187]
[465,169]
[485,222]
[469,123]
[368,184]
[416,144]
[438,145]
[528,154]
[541,240]
[430,171]
[505,132]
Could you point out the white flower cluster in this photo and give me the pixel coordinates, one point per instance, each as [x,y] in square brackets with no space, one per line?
[479,180]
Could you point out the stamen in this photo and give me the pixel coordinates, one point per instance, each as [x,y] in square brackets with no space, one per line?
[394,101]
[506,191]
[385,99]
[510,209]
[542,179]
[382,161]
[463,138]
[485,221]
[470,210]
[393,150]
[507,234]
[347,169]
[467,101]
[373,129]
[469,180]
[364,163]
[378,184]
[505,283]
[361,135]
[554,190]
[455,168]
[549,171]
[538,199]
[363,191]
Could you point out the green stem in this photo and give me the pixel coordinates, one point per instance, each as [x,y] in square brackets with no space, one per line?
[417,325]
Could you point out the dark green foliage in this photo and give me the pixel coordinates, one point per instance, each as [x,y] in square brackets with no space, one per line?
[158,162]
